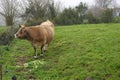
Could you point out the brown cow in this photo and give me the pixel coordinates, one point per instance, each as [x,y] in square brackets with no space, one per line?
[38,35]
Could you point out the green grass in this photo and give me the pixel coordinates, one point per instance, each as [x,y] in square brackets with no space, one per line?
[77,52]
[3,28]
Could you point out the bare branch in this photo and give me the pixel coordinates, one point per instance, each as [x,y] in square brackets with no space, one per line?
[104,3]
[9,10]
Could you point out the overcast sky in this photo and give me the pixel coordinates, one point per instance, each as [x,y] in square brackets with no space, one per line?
[72,3]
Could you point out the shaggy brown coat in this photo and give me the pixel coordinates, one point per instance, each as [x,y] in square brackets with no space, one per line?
[41,34]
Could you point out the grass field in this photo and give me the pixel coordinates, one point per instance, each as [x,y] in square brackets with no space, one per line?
[78,52]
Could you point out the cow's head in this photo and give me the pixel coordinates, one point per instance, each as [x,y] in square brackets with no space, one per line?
[21,33]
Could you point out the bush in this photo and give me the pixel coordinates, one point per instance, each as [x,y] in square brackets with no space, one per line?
[92,19]
[67,17]
[107,16]
[116,20]
[7,36]
[33,22]
[85,21]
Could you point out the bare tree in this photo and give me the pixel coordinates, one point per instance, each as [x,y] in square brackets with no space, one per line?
[39,10]
[9,10]
[96,11]
[37,7]
[100,6]
[104,3]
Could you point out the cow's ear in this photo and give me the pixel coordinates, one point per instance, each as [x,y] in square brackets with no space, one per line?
[21,26]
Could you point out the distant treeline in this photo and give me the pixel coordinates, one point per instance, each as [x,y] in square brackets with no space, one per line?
[33,12]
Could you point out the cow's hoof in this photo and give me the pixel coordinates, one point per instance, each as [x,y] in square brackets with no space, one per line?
[35,57]
[41,56]
[45,51]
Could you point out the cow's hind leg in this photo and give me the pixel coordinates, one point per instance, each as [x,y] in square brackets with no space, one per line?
[45,48]
[42,51]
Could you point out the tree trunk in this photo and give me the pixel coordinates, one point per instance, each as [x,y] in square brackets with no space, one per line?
[9,20]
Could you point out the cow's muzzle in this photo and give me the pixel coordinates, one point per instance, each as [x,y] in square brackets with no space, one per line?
[15,35]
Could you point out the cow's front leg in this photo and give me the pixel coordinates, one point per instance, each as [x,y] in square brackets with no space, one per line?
[35,54]
[42,51]
[35,50]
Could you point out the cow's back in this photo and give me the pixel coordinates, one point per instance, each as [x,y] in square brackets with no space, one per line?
[47,23]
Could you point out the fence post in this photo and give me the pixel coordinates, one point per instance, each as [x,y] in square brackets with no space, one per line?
[0,72]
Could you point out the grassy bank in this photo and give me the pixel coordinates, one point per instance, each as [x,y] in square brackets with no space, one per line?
[78,52]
